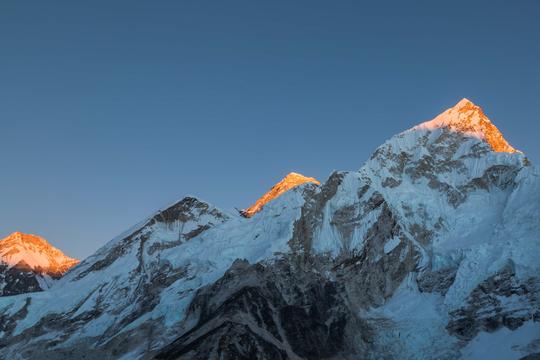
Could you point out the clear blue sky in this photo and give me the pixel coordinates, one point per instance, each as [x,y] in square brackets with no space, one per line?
[112,109]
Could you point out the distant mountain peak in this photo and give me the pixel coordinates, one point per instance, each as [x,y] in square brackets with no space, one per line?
[291,180]
[22,238]
[463,103]
[34,252]
[467,118]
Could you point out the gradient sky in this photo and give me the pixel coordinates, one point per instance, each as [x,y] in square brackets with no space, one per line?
[110,110]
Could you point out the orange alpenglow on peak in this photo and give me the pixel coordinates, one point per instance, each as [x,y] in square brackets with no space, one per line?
[33,252]
[468,118]
[287,183]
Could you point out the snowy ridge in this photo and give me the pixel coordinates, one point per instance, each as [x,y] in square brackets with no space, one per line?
[426,251]
[287,183]
[160,249]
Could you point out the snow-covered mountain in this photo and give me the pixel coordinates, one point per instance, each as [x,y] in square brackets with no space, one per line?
[290,181]
[29,263]
[428,251]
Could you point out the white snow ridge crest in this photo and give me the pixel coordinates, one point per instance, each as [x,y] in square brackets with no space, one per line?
[428,251]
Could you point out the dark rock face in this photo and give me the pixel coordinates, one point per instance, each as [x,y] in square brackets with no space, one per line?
[371,274]
[189,208]
[436,281]
[18,279]
[228,340]
[287,308]
[311,215]
[490,306]
[8,323]
[22,279]
[535,356]
[278,311]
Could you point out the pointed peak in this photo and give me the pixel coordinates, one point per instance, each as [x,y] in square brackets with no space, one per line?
[291,180]
[469,111]
[188,207]
[17,234]
[34,251]
[294,176]
[469,119]
[464,103]
[294,179]
[24,238]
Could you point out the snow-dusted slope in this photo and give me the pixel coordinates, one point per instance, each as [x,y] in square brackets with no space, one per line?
[448,215]
[29,263]
[130,295]
[427,251]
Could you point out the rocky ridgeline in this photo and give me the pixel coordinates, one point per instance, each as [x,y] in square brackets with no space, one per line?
[428,251]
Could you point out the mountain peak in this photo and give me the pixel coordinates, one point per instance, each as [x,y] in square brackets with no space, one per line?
[296,177]
[21,238]
[34,252]
[467,118]
[290,181]
[463,103]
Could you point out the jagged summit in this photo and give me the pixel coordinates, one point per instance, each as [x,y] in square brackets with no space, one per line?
[35,253]
[288,182]
[468,118]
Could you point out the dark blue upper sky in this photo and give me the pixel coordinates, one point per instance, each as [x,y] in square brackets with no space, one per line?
[112,109]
